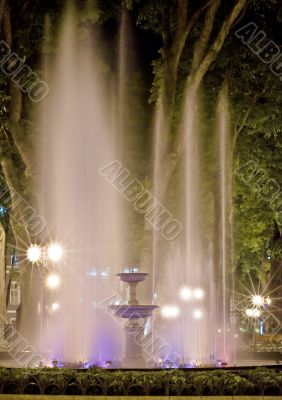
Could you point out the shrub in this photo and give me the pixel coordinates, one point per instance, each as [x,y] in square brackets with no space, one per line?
[95,381]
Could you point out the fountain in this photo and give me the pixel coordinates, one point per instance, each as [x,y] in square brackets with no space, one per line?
[136,315]
[84,124]
[77,124]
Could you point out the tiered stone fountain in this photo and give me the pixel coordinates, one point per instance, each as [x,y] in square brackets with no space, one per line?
[136,315]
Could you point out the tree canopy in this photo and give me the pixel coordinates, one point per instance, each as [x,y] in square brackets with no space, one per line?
[182,42]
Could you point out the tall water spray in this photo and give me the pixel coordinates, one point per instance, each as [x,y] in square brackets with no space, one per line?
[81,129]
[183,264]
[196,266]
[82,210]
[225,219]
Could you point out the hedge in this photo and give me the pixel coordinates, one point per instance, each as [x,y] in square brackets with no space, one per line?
[96,381]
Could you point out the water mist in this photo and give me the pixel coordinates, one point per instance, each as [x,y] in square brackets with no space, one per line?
[82,210]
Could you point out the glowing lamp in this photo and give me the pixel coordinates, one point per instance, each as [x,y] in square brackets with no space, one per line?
[170,312]
[33,253]
[55,306]
[185,293]
[257,313]
[199,293]
[268,301]
[253,312]
[55,252]
[53,281]
[257,300]
[198,314]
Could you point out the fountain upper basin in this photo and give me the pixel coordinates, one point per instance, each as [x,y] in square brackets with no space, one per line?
[132,276]
[133,311]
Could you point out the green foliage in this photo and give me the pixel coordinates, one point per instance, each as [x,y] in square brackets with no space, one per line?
[255,202]
[254,92]
[95,381]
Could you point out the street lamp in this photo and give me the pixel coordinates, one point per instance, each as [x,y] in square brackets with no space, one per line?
[253,312]
[41,255]
[169,311]
[268,300]
[33,253]
[260,301]
[55,307]
[53,281]
[185,293]
[198,314]
[257,300]
[199,293]
[55,252]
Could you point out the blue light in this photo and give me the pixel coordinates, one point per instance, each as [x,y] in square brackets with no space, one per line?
[95,272]
[3,211]
[92,272]
[133,269]
[147,328]
[261,328]
[14,260]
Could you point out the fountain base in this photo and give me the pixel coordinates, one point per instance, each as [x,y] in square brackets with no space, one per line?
[133,357]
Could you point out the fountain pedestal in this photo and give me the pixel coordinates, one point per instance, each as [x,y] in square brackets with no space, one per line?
[136,315]
[133,357]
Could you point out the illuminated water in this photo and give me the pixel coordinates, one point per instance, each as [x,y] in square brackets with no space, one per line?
[83,211]
[225,228]
[83,129]
[192,273]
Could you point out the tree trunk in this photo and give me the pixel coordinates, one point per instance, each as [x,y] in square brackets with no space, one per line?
[13,172]
[202,60]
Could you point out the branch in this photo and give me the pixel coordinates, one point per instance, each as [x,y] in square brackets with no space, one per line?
[238,129]
[19,221]
[21,143]
[11,178]
[6,23]
[203,41]
[2,3]
[165,29]
[172,53]
[218,43]
[181,15]
[185,25]
[24,7]
[176,142]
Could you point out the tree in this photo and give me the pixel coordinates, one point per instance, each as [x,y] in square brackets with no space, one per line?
[197,49]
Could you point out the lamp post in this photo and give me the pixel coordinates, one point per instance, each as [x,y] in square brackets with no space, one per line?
[41,256]
[258,305]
